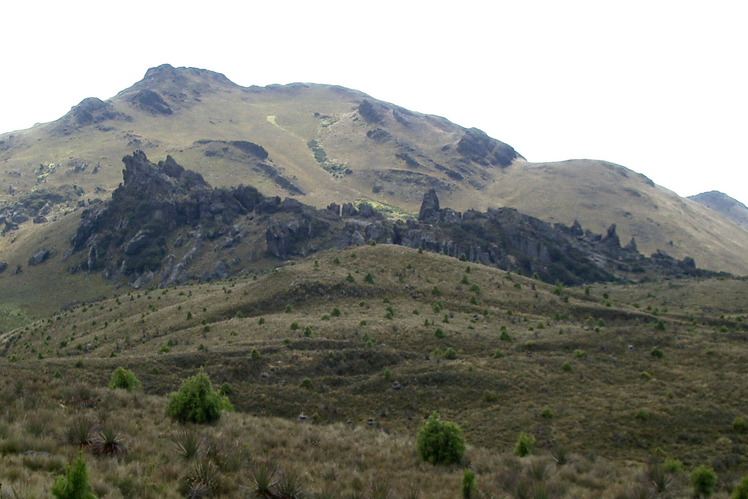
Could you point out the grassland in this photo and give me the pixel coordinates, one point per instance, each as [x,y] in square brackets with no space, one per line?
[366,342]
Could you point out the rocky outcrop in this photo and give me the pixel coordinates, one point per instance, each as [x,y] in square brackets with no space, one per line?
[369,112]
[151,101]
[90,111]
[429,211]
[37,205]
[475,145]
[165,225]
[39,256]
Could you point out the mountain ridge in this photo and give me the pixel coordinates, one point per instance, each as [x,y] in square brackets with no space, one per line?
[326,143]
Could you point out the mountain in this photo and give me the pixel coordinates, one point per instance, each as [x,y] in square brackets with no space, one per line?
[730,208]
[325,144]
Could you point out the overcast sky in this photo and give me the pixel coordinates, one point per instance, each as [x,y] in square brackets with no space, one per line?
[658,86]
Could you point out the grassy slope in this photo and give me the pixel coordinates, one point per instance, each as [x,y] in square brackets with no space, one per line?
[695,391]
[599,194]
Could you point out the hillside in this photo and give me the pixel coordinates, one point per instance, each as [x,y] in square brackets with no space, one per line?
[326,144]
[165,225]
[367,341]
[730,208]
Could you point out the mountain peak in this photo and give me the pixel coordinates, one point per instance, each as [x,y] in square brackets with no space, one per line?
[168,73]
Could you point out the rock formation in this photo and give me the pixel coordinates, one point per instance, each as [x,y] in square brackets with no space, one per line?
[166,225]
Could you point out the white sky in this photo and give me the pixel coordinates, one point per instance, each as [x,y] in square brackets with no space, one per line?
[657,86]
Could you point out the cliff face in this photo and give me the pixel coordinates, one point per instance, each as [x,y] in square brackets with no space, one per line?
[167,225]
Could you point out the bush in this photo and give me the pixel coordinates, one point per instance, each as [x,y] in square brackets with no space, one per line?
[657,352]
[490,396]
[196,401]
[468,484]
[440,442]
[641,414]
[74,483]
[741,490]
[524,444]
[703,480]
[124,379]
[739,424]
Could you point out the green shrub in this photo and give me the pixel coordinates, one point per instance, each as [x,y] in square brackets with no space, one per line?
[657,352]
[307,383]
[524,444]
[505,336]
[468,484]
[672,465]
[450,353]
[703,480]
[196,401]
[566,366]
[74,483]
[741,489]
[369,278]
[739,424]
[579,354]
[546,413]
[490,396]
[440,442]
[641,414]
[124,379]
[439,333]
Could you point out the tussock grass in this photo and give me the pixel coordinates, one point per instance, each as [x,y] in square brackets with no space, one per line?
[373,378]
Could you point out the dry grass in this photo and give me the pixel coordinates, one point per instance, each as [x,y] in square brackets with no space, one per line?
[353,359]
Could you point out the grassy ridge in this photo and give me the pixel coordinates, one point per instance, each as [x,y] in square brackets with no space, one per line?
[365,335]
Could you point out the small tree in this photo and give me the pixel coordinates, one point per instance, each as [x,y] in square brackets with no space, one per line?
[524,444]
[124,379]
[196,401]
[703,480]
[74,483]
[440,442]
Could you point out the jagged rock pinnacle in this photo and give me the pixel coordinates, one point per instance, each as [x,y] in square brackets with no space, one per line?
[429,207]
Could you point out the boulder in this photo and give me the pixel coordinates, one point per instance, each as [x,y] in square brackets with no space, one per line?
[39,256]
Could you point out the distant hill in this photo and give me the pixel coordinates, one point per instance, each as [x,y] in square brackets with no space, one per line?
[730,208]
[327,144]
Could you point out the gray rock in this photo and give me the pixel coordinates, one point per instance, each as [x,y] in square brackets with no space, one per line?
[40,256]
[429,207]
